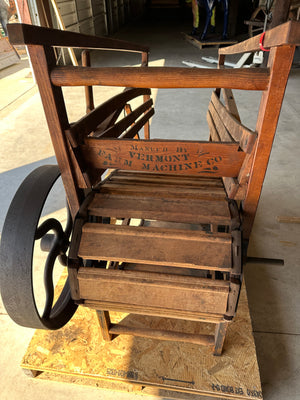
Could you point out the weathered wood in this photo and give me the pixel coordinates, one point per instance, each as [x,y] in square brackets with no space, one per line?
[181,157]
[89,98]
[181,264]
[286,34]
[280,60]
[231,186]
[161,77]
[121,126]
[169,179]
[57,120]
[159,280]
[154,311]
[35,35]
[239,132]
[213,133]
[165,191]
[156,246]
[161,291]
[171,209]
[223,133]
[193,369]
[134,130]
[120,329]
[220,334]
[90,122]
[105,324]
[163,269]
[230,103]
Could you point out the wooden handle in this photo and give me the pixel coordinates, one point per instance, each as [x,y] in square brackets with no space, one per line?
[285,34]
[161,77]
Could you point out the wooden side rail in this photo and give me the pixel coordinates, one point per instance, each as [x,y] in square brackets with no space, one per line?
[121,329]
[35,35]
[285,34]
[162,77]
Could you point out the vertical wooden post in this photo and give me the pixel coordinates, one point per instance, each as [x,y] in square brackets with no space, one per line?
[89,97]
[42,59]
[220,334]
[105,323]
[281,58]
[145,56]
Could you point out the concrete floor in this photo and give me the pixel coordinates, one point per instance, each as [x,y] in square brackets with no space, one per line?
[273,291]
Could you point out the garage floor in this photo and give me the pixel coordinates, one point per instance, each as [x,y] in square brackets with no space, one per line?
[273,290]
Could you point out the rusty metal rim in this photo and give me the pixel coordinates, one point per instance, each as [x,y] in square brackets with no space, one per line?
[16,255]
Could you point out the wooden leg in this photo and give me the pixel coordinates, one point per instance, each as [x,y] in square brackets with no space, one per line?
[104,322]
[220,334]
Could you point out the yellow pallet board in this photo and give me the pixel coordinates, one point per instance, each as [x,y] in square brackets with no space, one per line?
[77,354]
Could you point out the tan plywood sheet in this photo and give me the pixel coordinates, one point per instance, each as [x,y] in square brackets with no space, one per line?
[77,354]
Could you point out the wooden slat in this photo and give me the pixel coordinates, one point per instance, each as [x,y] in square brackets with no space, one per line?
[163,280]
[166,156]
[158,290]
[286,34]
[239,132]
[157,179]
[91,121]
[35,35]
[223,133]
[166,191]
[230,103]
[134,130]
[88,90]
[121,329]
[231,186]
[167,178]
[174,247]
[121,126]
[213,133]
[154,311]
[162,77]
[167,209]
[163,269]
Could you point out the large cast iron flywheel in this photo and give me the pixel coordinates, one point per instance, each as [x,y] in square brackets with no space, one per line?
[21,230]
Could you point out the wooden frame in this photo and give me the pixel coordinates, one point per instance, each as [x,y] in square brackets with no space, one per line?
[159,270]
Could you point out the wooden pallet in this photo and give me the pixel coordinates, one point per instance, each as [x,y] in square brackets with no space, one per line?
[200,44]
[77,354]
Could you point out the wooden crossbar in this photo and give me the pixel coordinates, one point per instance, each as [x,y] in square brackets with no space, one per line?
[121,329]
[162,77]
